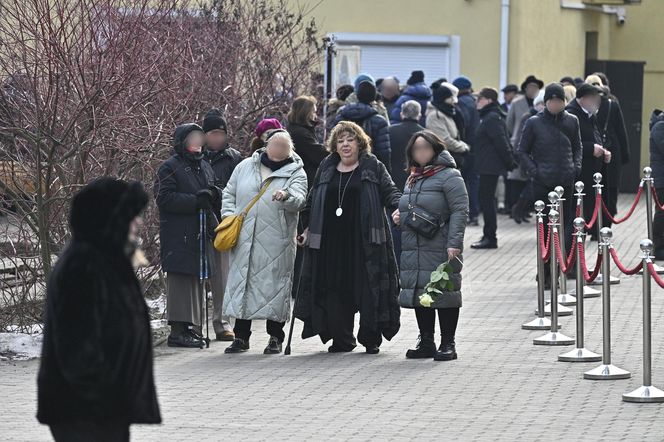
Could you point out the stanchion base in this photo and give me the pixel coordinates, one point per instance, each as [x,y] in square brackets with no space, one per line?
[566,299]
[588,292]
[580,355]
[562,310]
[658,269]
[600,278]
[553,338]
[538,324]
[644,394]
[607,372]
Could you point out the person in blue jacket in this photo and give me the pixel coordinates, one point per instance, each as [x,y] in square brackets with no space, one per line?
[416,90]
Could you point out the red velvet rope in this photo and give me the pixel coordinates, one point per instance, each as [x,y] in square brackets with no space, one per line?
[655,276]
[545,247]
[620,265]
[598,202]
[582,258]
[565,264]
[631,210]
[654,194]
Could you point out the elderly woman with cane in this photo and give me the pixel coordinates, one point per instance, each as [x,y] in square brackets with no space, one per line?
[261,264]
[432,214]
[350,264]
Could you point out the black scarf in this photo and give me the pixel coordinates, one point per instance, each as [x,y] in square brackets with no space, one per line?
[274,165]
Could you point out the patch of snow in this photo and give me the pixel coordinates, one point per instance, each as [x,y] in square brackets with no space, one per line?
[20,346]
[156,324]
[158,304]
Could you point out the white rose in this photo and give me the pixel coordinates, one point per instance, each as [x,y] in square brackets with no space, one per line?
[426,300]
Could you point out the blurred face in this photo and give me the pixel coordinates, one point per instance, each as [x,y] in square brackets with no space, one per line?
[194,142]
[348,147]
[389,88]
[482,102]
[314,114]
[134,229]
[532,90]
[590,103]
[509,96]
[216,139]
[278,149]
[539,107]
[422,152]
[555,105]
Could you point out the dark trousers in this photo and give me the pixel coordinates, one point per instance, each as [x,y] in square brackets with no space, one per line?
[487,193]
[242,329]
[472,185]
[658,227]
[610,198]
[84,431]
[341,322]
[513,192]
[448,318]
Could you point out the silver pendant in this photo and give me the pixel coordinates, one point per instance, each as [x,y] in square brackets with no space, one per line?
[340,211]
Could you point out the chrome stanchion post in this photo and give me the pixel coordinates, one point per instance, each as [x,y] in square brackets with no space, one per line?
[648,184]
[554,205]
[646,393]
[588,292]
[553,337]
[606,370]
[564,298]
[541,322]
[580,353]
[597,177]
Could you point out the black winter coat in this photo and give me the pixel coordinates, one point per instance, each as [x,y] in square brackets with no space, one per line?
[308,148]
[96,360]
[400,135]
[589,137]
[614,138]
[373,124]
[550,148]
[493,152]
[223,163]
[178,180]
[657,147]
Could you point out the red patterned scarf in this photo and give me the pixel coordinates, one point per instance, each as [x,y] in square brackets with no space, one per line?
[418,173]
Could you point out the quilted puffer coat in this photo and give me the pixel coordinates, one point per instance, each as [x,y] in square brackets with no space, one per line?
[261,264]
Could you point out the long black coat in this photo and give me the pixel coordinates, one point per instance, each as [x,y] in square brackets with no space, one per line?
[400,135]
[223,163]
[657,147]
[178,180]
[96,360]
[614,138]
[308,148]
[589,137]
[493,152]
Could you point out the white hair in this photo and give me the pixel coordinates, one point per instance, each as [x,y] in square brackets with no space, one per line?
[281,135]
[411,109]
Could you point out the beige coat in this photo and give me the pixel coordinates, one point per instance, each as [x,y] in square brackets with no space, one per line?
[444,126]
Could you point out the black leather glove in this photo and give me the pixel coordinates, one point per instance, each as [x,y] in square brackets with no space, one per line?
[204,199]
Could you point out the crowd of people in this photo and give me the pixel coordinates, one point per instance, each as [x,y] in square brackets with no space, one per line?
[369,220]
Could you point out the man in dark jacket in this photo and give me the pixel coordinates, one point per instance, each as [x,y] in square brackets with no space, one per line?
[471,117]
[493,159]
[585,108]
[184,186]
[223,159]
[416,90]
[96,375]
[368,119]
[657,165]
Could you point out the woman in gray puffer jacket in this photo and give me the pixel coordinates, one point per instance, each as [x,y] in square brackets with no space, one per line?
[434,190]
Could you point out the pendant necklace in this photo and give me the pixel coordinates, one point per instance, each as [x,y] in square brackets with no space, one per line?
[341,195]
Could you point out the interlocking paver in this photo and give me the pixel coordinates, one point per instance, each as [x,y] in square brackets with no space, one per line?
[502,387]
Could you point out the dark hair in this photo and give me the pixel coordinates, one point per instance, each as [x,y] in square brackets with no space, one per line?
[344,91]
[301,110]
[602,76]
[434,141]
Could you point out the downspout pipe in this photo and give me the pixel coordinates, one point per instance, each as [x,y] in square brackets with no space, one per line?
[504,41]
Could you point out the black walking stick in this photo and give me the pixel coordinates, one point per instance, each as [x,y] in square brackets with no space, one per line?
[287,350]
[203,273]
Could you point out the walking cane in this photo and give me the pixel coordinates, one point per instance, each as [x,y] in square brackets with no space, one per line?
[203,273]
[287,350]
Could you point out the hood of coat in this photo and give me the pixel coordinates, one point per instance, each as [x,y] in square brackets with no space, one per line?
[285,171]
[656,116]
[445,159]
[102,211]
[357,112]
[180,134]
[419,91]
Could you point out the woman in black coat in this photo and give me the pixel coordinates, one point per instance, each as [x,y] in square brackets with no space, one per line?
[350,264]
[302,129]
[96,373]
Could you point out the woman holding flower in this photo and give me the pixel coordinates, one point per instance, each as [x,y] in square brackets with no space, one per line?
[432,215]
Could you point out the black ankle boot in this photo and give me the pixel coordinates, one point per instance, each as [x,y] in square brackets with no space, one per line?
[425,348]
[239,345]
[446,352]
[273,346]
[185,340]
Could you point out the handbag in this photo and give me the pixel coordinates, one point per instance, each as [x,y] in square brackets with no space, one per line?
[421,221]
[228,230]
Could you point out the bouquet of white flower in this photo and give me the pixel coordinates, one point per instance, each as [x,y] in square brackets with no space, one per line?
[439,281]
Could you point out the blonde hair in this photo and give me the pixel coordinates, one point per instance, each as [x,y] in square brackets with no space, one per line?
[594,80]
[570,93]
[348,127]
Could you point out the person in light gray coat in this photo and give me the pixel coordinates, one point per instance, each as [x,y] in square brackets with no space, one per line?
[261,264]
[435,190]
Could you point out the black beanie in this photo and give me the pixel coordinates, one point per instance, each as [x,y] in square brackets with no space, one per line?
[366,92]
[441,93]
[554,90]
[214,120]
[416,77]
